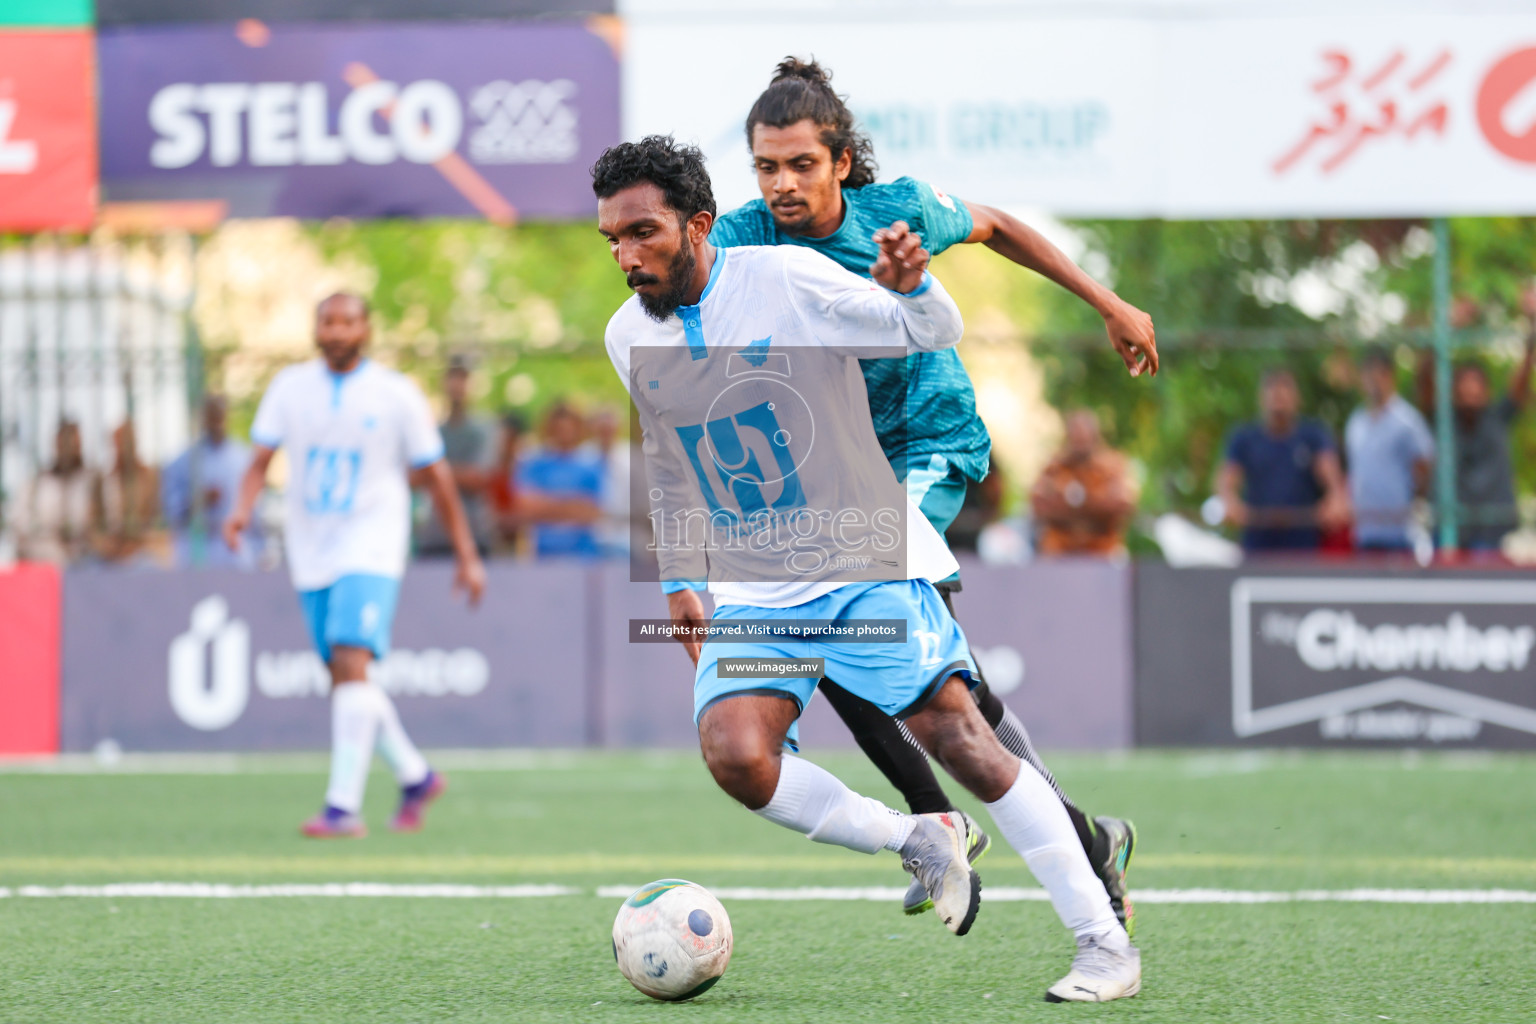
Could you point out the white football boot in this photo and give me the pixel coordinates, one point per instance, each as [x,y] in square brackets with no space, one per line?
[1100,972]
[935,854]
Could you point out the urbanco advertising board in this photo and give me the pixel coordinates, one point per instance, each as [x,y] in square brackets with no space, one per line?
[1115,116]
[221,660]
[410,119]
[1325,657]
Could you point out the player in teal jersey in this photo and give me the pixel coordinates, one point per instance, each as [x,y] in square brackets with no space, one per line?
[816,171]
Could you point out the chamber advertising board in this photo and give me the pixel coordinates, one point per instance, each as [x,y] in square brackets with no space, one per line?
[412,119]
[1325,658]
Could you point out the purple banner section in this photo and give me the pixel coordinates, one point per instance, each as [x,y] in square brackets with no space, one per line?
[221,660]
[421,119]
[1053,640]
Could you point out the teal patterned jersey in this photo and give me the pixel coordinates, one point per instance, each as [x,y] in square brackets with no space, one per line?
[924,404]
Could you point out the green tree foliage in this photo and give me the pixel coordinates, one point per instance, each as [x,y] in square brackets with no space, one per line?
[1224,296]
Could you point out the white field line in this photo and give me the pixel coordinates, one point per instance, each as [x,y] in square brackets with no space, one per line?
[219,891]
[999,894]
[1005,894]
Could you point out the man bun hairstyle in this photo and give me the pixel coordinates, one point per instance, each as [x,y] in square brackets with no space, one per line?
[675,168]
[802,91]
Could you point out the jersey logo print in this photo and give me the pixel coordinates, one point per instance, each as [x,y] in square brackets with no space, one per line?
[330,480]
[737,464]
[757,352]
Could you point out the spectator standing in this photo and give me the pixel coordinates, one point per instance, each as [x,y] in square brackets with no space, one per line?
[469,446]
[501,495]
[203,481]
[53,518]
[1390,451]
[1281,481]
[557,478]
[1485,477]
[612,453]
[1084,498]
[126,503]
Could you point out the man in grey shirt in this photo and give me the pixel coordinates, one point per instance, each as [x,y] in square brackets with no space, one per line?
[1485,479]
[1390,450]
[468,447]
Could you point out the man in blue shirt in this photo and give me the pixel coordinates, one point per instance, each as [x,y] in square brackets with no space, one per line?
[816,171]
[562,475]
[203,480]
[1286,470]
[1390,450]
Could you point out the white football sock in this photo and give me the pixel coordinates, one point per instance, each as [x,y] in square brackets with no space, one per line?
[812,801]
[1031,818]
[410,767]
[354,723]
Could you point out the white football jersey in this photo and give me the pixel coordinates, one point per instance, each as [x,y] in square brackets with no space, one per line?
[763,470]
[351,441]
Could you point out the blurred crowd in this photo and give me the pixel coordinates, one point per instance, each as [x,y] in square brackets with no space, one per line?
[559,488]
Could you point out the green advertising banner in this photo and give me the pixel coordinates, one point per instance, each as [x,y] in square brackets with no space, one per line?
[50,13]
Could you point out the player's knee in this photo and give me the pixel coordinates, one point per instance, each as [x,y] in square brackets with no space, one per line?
[745,766]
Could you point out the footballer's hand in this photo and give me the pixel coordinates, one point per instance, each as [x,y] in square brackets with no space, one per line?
[902,260]
[469,579]
[686,609]
[1130,331]
[234,526]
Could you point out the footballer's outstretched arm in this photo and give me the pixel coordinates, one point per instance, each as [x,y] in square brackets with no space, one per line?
[251,484]
[1129,329]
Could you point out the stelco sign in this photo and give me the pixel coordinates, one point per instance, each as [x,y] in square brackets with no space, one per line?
[283,124]
[1401,660]
[423,119]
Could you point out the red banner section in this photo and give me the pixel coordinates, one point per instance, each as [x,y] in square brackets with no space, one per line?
[30,610]
[47,131]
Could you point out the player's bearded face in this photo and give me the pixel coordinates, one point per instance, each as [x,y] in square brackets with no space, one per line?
[672,286]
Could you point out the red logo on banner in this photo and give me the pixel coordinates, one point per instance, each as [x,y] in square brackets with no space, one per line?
[1508,94]
[47,131]
[1397,96]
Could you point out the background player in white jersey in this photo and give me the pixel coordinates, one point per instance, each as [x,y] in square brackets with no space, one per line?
[753,453]
[354,432]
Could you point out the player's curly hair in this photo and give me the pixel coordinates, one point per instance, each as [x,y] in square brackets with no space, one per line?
[675,168]
[802,91]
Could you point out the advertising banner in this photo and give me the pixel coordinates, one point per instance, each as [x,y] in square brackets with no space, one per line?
[140,12]
[1187,117]
[1329,657]
[221,660]
[29,659]
[47,131]
[499,120]
[49,13]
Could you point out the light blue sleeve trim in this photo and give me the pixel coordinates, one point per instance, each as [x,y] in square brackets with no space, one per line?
[915,292]
[423,463]
[674,586]
[266,442]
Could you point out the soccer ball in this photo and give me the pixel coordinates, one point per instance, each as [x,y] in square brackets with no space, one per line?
[672,939]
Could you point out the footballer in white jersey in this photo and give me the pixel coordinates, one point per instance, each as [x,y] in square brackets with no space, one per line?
[354,432]
[729,454]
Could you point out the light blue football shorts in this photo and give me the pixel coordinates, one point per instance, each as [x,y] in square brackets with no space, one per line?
[356,611]
[899,678]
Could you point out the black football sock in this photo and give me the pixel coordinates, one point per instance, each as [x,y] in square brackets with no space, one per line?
[1012,734]
[887,743]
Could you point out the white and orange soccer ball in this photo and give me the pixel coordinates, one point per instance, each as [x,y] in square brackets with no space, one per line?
[672,939]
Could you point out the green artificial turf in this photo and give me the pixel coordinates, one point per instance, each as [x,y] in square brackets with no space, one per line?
[1233,821]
